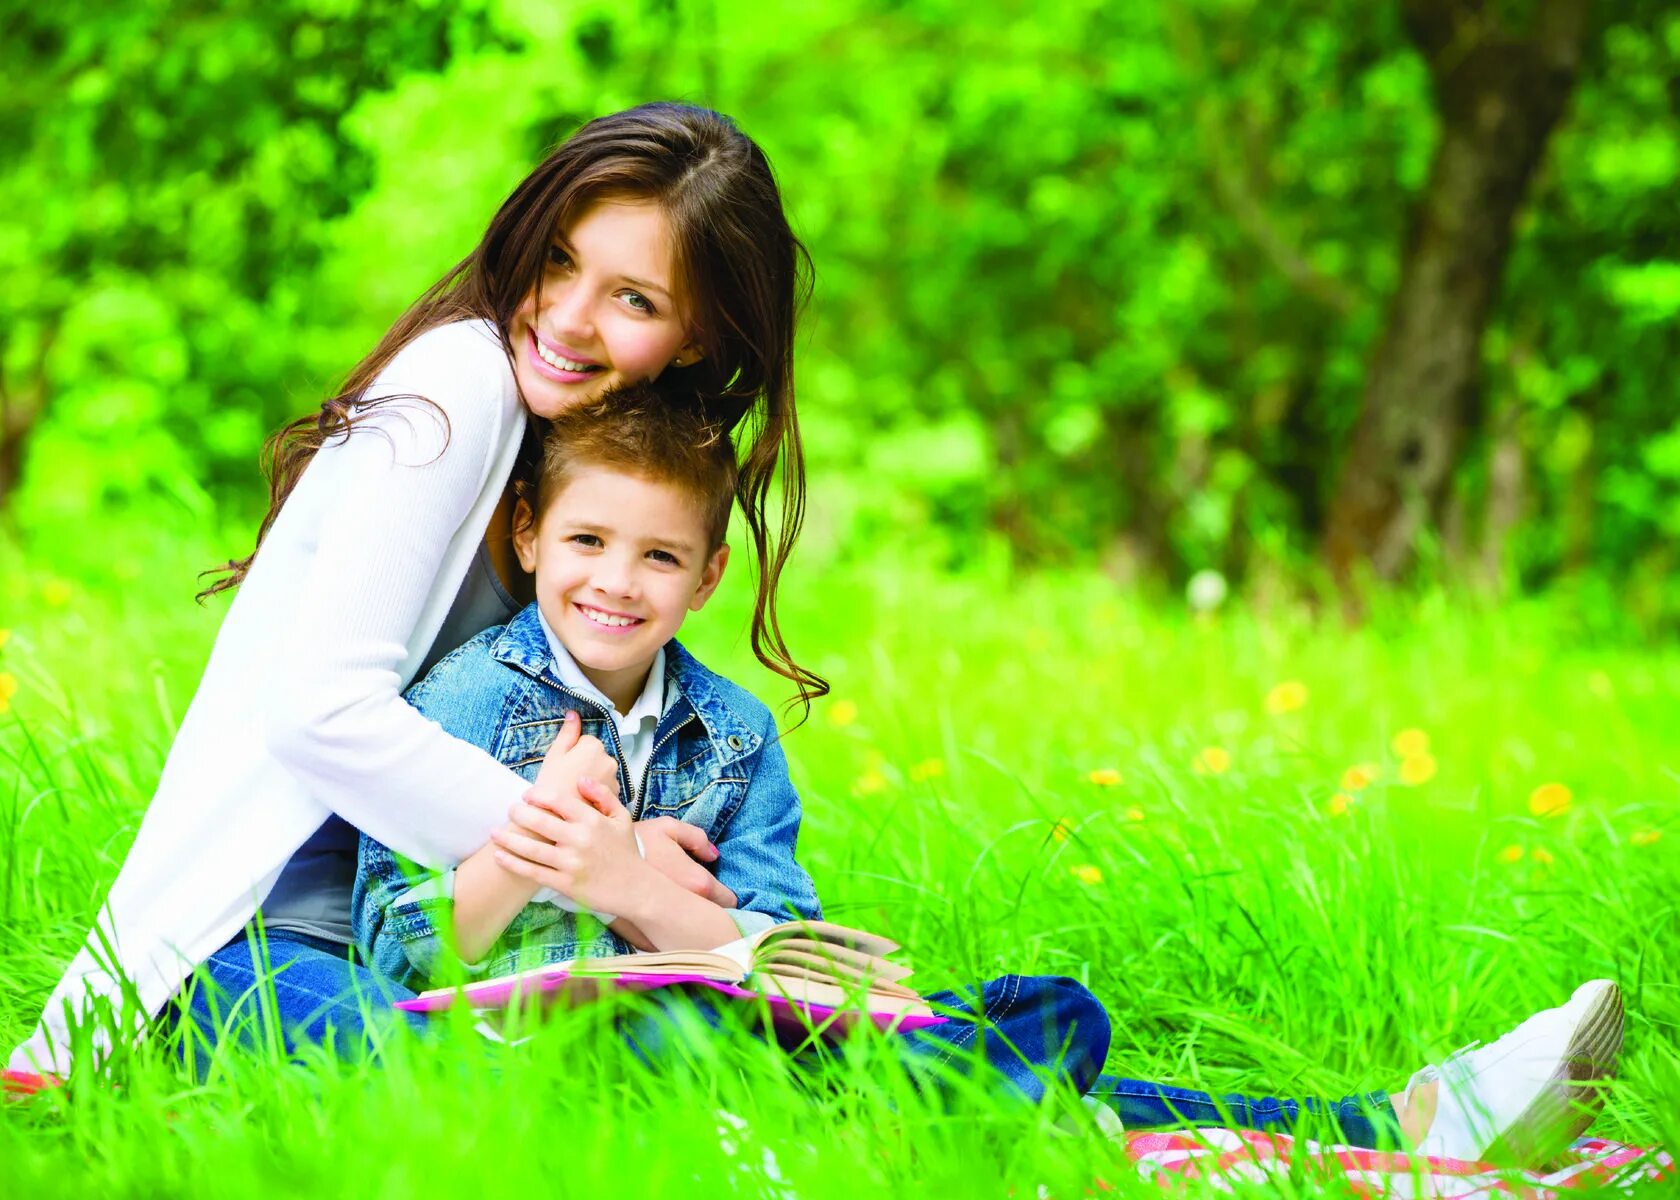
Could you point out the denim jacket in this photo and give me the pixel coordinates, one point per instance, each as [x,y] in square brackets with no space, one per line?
[716,763]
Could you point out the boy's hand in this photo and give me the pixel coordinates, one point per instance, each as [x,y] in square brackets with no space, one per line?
[583,846]
[573,756]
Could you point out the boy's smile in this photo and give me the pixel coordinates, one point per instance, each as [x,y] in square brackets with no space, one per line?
[619,562]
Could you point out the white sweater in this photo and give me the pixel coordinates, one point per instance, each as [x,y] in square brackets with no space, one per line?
[300,711]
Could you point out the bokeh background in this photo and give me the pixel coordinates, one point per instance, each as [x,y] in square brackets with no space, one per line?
[1304,293]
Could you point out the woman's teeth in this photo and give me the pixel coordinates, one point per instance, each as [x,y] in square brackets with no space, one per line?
[562,364]
[606,618]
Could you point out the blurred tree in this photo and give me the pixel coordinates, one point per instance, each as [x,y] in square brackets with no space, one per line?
[1500,75]
[170,169]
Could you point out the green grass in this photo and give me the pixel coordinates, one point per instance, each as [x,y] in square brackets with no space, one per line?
[959,795]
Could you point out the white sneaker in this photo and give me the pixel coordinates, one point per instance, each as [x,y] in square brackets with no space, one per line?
[1521,1100]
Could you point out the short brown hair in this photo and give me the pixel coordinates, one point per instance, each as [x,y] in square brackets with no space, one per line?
[637,429]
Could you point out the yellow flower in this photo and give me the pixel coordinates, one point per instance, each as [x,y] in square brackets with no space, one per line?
[928,768]
[870,782]
[1550,800]
[1212,761]
[1060,830]
[1134,814]
[1087,874]
[1645,837]
[1358,778]
[1338,805]
[842,712]
[1410,743]
[1511,854]
[1287,697]
[1542,856]
[8,689]
[1105,777]
[1418,769]
[56,593]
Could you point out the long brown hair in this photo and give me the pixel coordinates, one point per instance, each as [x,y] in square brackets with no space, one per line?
[746,277]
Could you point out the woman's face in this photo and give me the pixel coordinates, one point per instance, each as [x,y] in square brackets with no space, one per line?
[609,310]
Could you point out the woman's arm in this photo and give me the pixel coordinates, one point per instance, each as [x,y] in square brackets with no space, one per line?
[382,508]
[583,845]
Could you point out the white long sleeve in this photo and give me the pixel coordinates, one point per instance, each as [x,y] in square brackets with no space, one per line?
[299,711]
[383,506]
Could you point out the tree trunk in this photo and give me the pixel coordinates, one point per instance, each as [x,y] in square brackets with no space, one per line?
[1498,94]
[21,408]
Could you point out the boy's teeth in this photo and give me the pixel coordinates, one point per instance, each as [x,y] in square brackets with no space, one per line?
[563,364]
[601,618]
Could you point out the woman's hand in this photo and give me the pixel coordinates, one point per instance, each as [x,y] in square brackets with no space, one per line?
[676,849]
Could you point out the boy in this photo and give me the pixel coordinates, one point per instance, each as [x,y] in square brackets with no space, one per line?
[623,529]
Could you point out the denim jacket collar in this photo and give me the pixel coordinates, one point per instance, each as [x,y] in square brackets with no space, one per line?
[690,689]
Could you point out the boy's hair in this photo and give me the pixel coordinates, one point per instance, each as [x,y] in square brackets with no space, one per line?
[639,430]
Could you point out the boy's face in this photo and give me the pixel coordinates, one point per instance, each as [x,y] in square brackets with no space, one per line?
[619,562]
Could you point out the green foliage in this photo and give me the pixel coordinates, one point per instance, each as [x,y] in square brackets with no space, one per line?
[1095,283]
[171,176]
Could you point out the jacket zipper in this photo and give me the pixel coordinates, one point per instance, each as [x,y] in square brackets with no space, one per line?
[635,805]
[637,796]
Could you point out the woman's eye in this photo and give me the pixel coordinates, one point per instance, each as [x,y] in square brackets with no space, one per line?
[558,257]
[638,302]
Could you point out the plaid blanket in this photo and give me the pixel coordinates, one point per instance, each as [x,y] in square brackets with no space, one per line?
[1226,1157]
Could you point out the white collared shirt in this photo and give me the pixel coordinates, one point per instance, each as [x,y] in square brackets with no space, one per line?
[636,727]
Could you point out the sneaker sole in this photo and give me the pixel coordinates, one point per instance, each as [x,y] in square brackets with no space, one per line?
[1559,1116]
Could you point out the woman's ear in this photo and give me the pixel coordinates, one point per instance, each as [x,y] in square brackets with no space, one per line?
[710,577]
[525,535]
[691,353]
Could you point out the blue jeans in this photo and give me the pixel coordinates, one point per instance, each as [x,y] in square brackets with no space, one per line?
[1032,1032]
[322,994]
[1367,1120]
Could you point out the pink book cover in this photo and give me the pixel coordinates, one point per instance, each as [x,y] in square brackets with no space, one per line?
[785,1013]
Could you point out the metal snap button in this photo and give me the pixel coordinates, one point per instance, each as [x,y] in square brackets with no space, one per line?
[734,741]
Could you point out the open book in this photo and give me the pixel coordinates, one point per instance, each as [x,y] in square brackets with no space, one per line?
[812,974]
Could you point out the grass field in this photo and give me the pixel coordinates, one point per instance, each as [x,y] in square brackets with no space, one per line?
[1288,857]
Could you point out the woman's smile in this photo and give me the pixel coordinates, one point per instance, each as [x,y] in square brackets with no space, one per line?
[606,312]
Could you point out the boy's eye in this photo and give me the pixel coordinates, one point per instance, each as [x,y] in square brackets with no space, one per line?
[664,556]
[584,539]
